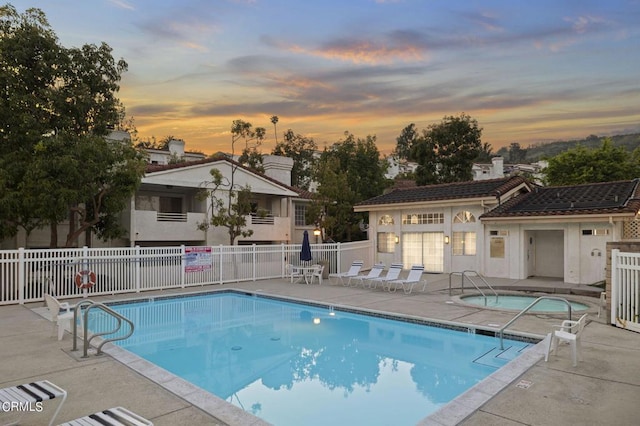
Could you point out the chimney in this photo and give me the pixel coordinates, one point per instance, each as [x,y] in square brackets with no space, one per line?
[176,147]
[278,167]
[498,167]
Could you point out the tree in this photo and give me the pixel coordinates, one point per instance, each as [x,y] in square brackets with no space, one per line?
[88,185]
[405,142]
[485,154]
[30,59]
[582,165]
[253,138]
[57,103]
[274,120]
[348,172]
[517,154]
[445,151]
[301,150]
[232,212]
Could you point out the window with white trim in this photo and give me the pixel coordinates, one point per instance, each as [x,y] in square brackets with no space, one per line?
[386,220]
[422,218]
[386,242]
[464,244]
[464,217]
[300,214]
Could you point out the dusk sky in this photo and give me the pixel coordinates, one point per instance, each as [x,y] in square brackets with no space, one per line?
[527,71]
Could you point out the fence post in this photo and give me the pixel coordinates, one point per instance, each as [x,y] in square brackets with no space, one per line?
[283,257]
[615,285]
[21,275]
[85,267]
[254,257]
[339,256]
[137,271]
[183,259]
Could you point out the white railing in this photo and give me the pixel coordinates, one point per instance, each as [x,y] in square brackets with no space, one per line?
[26,274]
[171,217]
[625,290]
[261,220]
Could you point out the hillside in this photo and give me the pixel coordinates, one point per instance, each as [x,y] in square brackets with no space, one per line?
[541,151]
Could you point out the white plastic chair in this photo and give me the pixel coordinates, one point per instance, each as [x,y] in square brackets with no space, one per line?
[570,332]
[317,273]
[353,271]
[295,273]
[61,314]
[415,276]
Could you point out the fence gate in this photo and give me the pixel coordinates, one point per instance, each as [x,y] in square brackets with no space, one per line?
[625,290]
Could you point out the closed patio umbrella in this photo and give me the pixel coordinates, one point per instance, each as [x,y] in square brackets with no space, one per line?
[305,253]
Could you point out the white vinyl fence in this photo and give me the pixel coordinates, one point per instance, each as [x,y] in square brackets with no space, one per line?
[625,290]
[26,274]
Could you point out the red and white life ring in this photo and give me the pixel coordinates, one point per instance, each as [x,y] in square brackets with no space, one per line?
[87,282]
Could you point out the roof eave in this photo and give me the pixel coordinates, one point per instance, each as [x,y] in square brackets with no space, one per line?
[595,217]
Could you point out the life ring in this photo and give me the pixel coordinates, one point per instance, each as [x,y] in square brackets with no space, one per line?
[89,282]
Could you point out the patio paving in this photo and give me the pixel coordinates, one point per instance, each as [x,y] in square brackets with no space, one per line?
[601,390]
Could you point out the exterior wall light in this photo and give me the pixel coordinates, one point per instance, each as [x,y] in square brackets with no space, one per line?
[397,239]
[446,239]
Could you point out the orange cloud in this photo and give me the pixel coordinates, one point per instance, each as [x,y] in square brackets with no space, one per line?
[364,52]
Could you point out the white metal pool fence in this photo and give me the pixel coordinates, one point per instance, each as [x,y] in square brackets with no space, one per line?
[625,290]
[26,274]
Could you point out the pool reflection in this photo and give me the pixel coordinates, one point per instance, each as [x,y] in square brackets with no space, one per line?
[254,352]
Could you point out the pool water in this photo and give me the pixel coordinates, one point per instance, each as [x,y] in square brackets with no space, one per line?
[297,364]
[518,303]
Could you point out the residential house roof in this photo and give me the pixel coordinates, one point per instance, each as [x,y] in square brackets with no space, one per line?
[621,197]
[448,191]
[154,168]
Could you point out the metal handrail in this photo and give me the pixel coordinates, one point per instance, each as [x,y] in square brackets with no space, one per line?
[86,339]
[495,293]
[450,274]
[464,274]
[531,305]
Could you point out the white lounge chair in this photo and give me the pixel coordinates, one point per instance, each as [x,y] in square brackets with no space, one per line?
[61,314]
[415,276]
[32,393]
[392,274]
[353,271]
[117,416]
[374,272]
[570,332]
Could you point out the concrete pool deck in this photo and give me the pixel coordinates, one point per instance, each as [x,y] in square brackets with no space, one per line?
[602,389]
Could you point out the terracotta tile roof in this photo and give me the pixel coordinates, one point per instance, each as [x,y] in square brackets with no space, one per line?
[153,168]
[447,191]
[594,198]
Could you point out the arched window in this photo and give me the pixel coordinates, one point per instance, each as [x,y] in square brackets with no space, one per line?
[385,220]
[464,217]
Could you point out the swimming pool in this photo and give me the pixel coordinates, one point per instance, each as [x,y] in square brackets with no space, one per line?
[519,302]
[307,364]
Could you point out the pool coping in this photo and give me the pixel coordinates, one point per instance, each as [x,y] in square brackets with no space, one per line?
[592,307]
[451,413]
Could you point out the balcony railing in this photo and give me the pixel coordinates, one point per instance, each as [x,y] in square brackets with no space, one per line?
[262,220]
[171,217]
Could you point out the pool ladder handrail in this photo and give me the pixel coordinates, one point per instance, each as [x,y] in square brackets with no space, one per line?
[531,305]
[466,273]
[85,321]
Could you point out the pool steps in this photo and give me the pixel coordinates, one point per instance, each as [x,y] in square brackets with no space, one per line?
[497,357]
